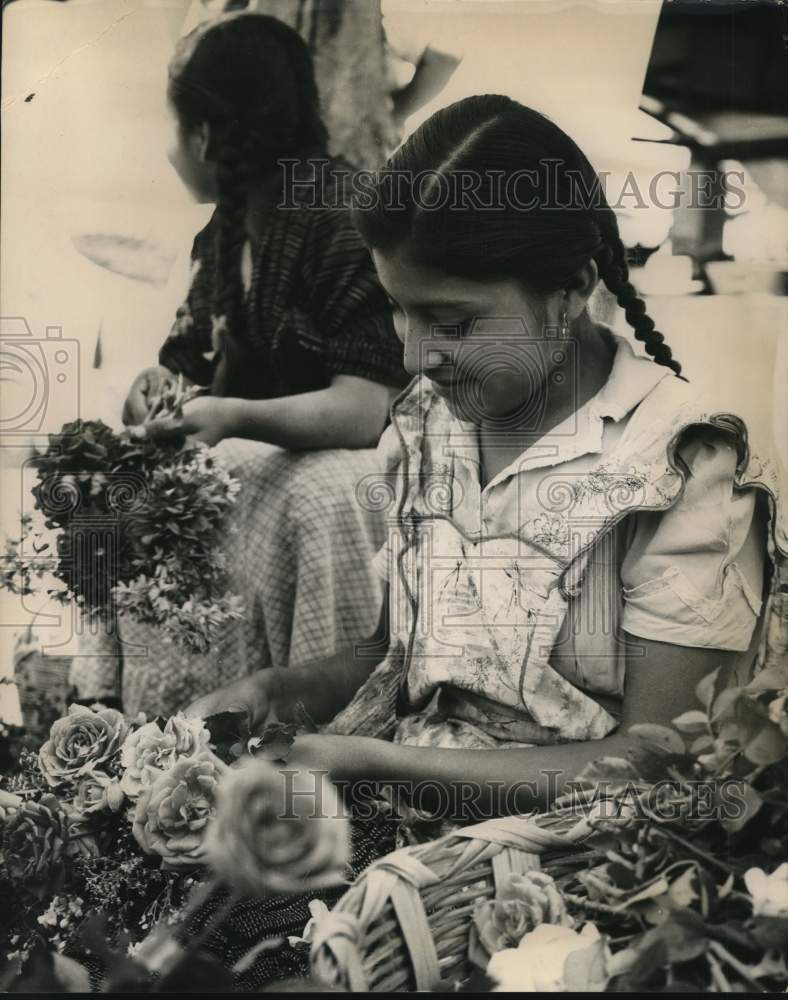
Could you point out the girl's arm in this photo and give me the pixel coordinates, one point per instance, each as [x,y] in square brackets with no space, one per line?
[323,688]
[350,413]
[660,685]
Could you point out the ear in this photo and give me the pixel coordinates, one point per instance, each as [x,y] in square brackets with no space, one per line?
[579,289]
[200,142]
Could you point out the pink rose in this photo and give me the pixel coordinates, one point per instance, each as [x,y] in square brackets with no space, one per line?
[82,740]
[34,839]
[149,750]
[524,902]
[268,840]
[96,792]
[172,814]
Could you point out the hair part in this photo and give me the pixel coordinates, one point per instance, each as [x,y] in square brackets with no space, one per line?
[544,246]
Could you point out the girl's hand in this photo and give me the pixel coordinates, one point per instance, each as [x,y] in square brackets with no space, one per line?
[208,418]
[147,385]
[249,694]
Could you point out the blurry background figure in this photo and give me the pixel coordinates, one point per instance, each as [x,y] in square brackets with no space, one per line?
[369,83]
[729,110]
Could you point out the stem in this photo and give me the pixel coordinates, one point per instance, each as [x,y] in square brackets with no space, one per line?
[708,858]
[722,952]
[590,904]
[718,976]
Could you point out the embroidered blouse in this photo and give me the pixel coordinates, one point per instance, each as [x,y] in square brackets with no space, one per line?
[518,602]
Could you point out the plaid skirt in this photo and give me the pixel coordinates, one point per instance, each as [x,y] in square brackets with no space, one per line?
[300,543]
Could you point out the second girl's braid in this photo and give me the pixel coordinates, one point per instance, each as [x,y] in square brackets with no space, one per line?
[233,167]
[613,270]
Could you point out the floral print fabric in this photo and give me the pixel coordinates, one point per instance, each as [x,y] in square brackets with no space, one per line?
[509,599]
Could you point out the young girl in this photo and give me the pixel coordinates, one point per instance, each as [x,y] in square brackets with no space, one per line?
[287,324]
[576,540]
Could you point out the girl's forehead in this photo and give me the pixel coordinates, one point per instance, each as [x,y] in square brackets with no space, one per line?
[416,285]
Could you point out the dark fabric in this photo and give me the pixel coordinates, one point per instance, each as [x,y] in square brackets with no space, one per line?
[254,920]
[315,307]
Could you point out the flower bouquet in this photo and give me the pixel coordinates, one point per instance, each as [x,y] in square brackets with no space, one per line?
[137,528]
[667,870]
[115,831]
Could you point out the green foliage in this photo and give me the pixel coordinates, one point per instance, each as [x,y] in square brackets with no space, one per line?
[694,807]
[137,526]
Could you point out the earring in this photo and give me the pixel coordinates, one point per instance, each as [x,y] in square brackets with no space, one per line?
[564,325]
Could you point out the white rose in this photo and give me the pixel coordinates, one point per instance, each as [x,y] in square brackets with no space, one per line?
[277,835]
[769,892]
[149,751]
[538,964]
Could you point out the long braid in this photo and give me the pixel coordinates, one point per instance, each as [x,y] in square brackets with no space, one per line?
[614,271]
[611,260]
[232,177]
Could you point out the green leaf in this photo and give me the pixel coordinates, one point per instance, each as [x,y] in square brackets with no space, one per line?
[651,957]
[275,741]
[657,888]
[725,703]
[227,729]
[707,690]
[682,889]
[771,933]
[739,813]
[662,737]
[683,938]
[703,744]
[692,723]
[762,740]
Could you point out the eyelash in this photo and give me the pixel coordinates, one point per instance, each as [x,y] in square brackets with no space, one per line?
[462,327]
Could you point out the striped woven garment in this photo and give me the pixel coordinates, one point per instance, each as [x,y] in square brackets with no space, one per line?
[313,306]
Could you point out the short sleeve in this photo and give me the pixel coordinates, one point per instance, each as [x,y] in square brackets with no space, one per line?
[347,304]
[693,575]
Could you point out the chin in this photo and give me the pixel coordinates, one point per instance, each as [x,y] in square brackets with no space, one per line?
[460,411]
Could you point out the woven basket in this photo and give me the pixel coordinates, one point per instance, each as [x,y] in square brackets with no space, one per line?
[404,924]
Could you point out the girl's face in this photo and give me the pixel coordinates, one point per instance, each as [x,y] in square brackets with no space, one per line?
[490,347]
[187,152]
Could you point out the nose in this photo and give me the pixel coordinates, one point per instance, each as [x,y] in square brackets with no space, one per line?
[422,353]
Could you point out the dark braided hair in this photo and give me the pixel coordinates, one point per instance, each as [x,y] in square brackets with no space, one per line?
[538,215]
[250,78]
